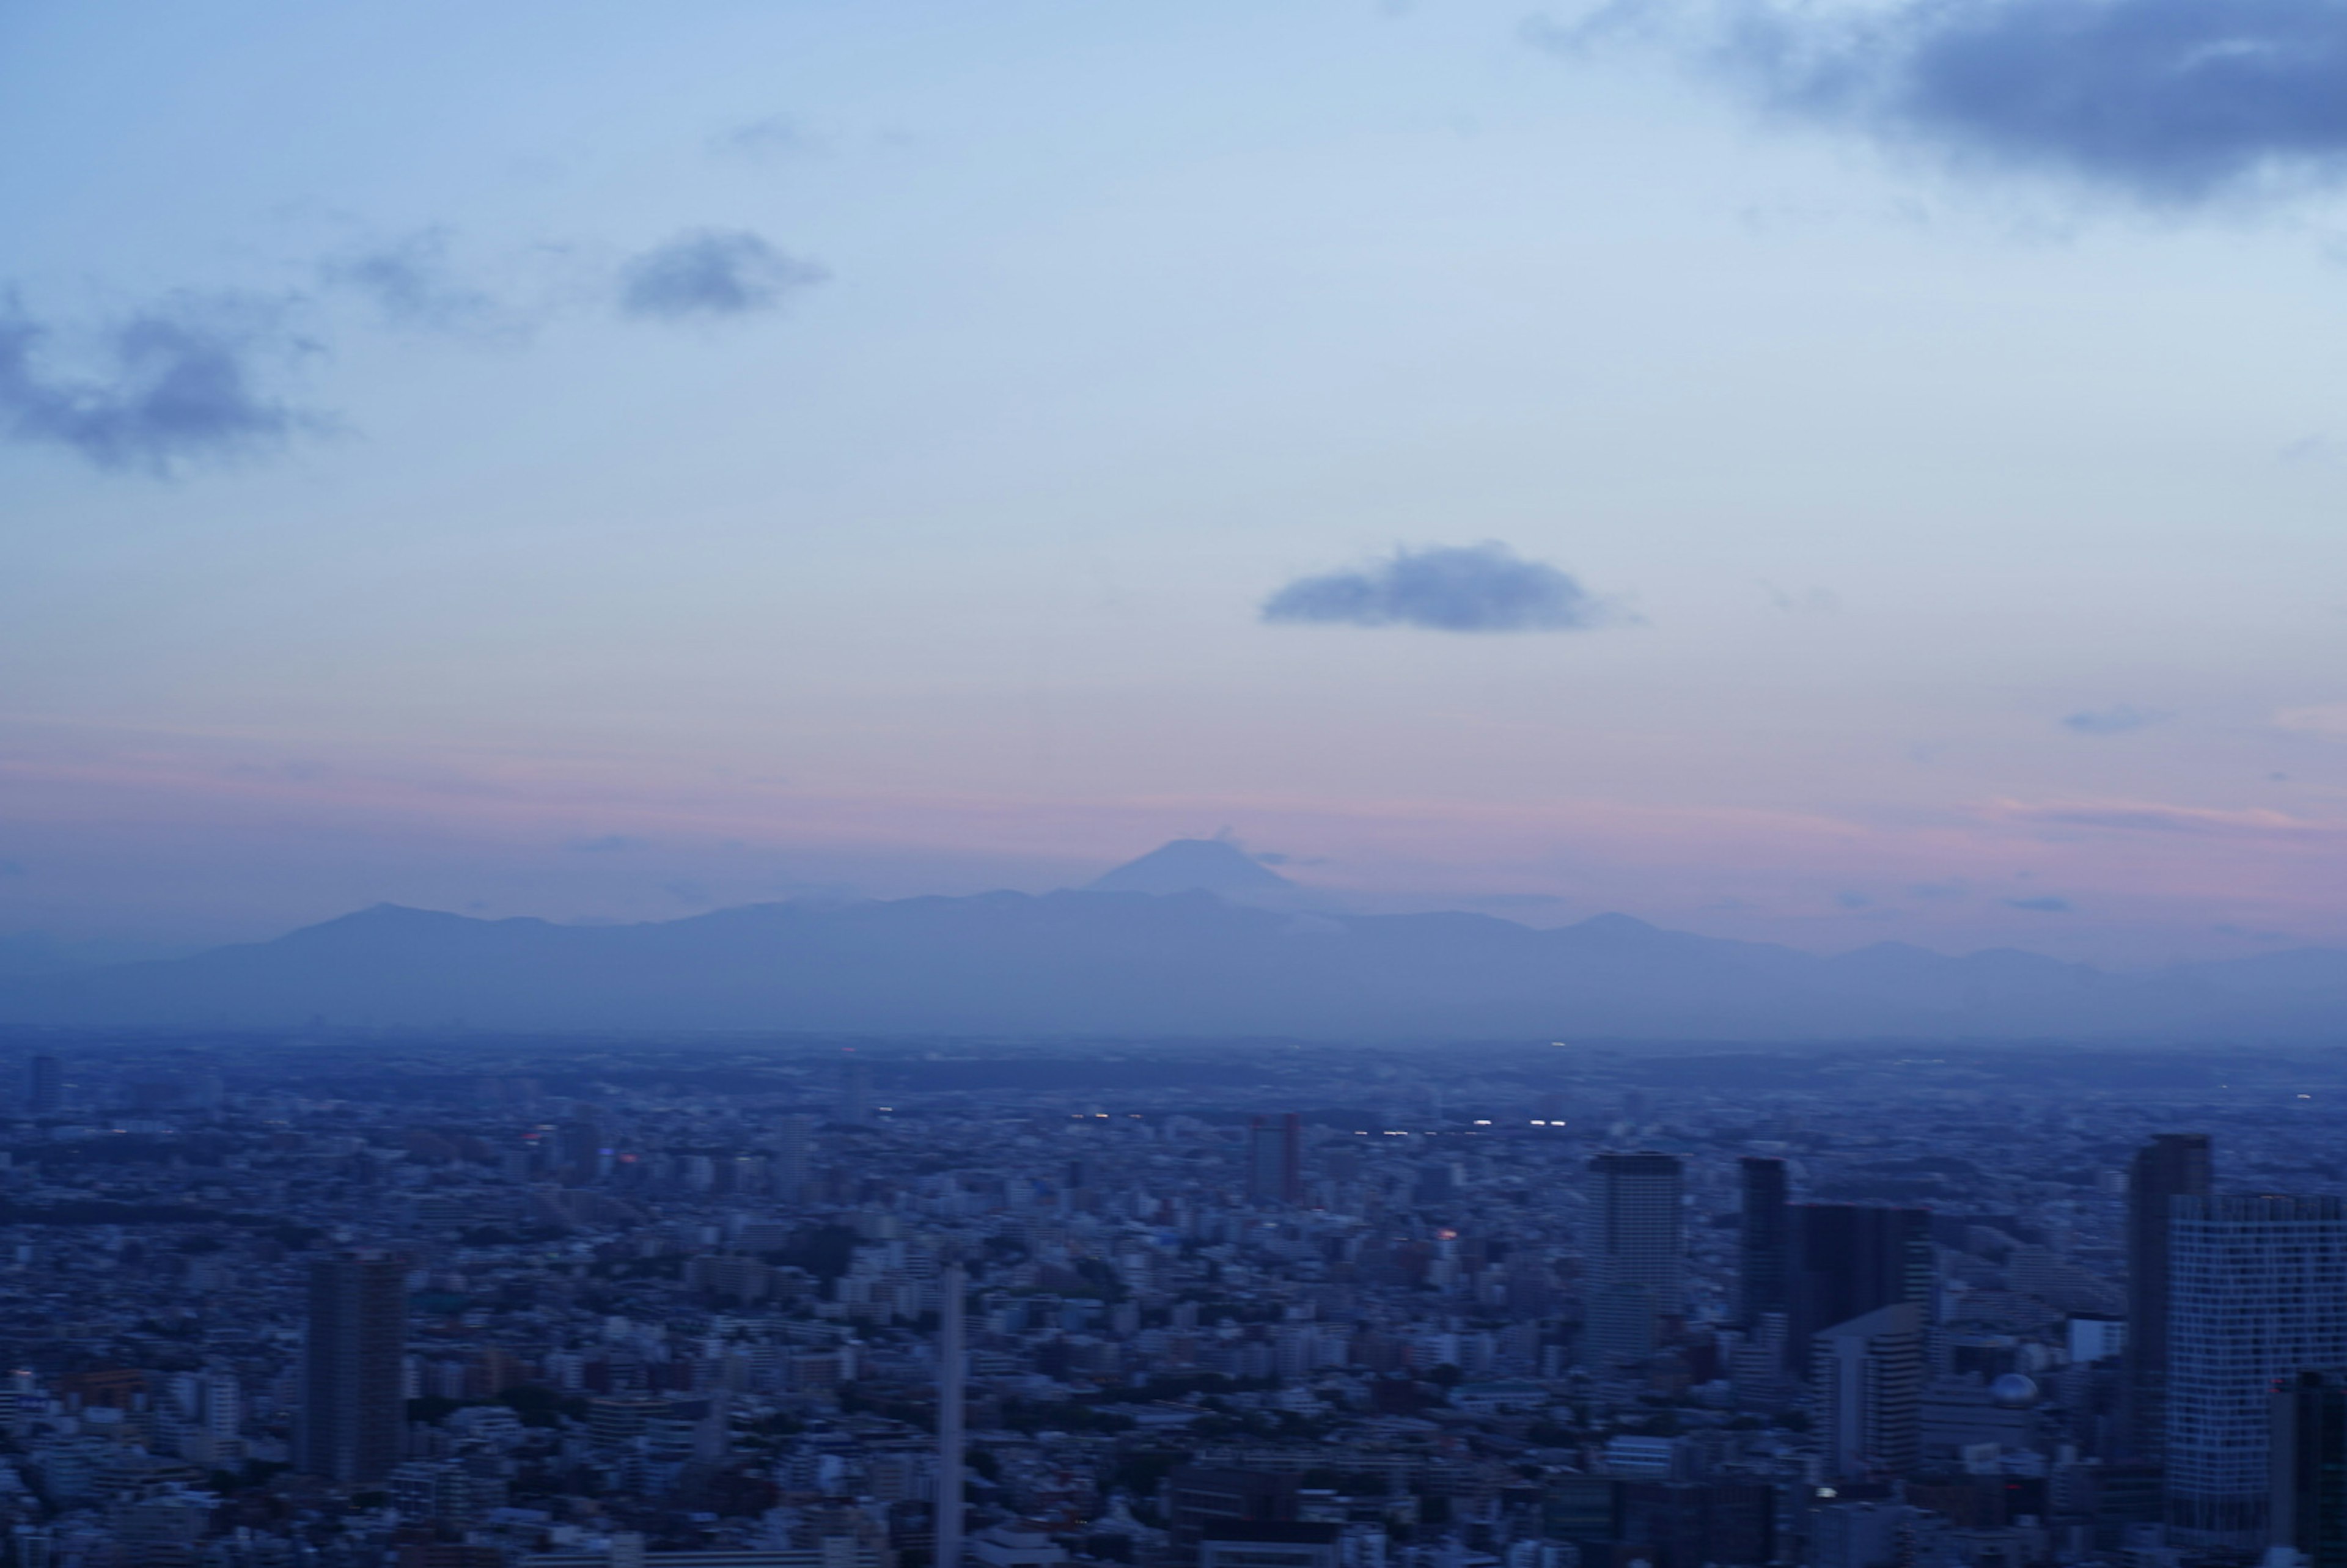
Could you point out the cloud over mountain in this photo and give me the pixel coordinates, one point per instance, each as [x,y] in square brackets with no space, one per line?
[1454,588]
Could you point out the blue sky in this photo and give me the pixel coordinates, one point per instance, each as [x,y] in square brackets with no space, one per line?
[1841,477]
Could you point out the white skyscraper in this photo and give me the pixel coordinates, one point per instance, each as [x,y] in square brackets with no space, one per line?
[2256,1292]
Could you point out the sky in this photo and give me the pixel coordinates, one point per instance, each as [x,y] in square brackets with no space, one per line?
[1810,473]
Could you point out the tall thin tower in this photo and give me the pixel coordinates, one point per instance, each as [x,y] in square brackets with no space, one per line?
[1761,1279]
[2172,1165]
[951,1372]
[353,1415]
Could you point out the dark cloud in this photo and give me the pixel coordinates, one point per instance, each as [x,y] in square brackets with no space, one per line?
[713,273]
[412,286]
[2168,101]
[2116,720]
[2047,905]
[179,381]
[1470,587]
[1853,900]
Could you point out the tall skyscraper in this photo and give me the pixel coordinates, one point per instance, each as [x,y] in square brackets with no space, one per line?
[2257,1294]
[1276,1159]
[952,1371]
[793,1158]
[1867,1377]
[1845,1261]
[2172,1165]
[1760,1281]
[1640,1240]
[353,1410]
[45,1084]
[2309,1467]
[855,1093]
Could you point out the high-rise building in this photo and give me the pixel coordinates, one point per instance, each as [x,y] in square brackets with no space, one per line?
[793,1158]
[2172,1165]
[2257,1294]
[45,1084]
[1760,1281]
[353,1410]
[1845,1261]
[2309,1467]
[1276,1159]
[1867,1377]
[1639,1219]
[855,1093]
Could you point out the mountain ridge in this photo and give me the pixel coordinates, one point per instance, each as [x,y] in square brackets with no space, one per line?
[1087,962]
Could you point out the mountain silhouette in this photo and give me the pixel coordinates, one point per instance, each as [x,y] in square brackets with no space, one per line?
[1092,963]
[1193,866]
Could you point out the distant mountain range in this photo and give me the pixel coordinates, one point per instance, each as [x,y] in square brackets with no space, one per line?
[1169,961]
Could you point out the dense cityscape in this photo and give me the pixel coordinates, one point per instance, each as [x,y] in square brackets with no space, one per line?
[472,1302]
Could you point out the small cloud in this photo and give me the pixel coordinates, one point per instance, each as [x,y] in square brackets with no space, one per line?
[2118,719]
[711,274]
[2201,822]
[2169,102]
[1802,601]
[2249,934]
[609,844]
[1469,587]
[1853,900]
[1938,891]
[178,381]
[14,868]
[768,139]
[2046,905]
[410,284]
[2310,451]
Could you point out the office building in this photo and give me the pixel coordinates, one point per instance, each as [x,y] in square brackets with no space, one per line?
[1866,1375]
[855,1093]
[1276,1159]
[353,1405]
[2172,1165]
[1846,1261]
[1760,1278]
[45,1084]
[2309,1467]
[2257,1294]
[1639,1217]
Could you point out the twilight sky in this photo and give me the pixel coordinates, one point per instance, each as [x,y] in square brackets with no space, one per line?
[1811,473]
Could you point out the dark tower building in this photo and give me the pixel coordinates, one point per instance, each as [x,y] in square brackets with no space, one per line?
[2309,1467]
[1641,1240]
[2172,1165]
[353,1410]
[1846,1261]
[1276,1160]
[1760,1282]
[45,1084]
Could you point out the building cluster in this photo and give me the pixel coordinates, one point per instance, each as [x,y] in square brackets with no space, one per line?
[480,1303]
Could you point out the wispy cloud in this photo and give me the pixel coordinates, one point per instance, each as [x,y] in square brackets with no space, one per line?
[183,380]
[606,844]
[2172,102]
[712,275]
[412,287]
[2202,822]
[768,139]
[2118,719]
[2046,903]
[2328,721]
[1458,587]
